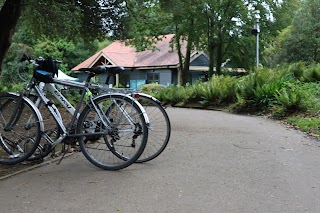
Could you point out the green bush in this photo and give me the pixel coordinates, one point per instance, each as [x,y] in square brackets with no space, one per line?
[297,69]
[291,99]
[173,95]
[14,71]
[152,88]
[219,90]
[311,73]
[259,88]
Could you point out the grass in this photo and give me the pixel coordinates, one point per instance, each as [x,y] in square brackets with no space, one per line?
[307,125]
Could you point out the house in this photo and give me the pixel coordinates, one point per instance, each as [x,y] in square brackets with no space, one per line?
[161,65]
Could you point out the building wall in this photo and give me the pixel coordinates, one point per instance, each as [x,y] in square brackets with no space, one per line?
[165,75]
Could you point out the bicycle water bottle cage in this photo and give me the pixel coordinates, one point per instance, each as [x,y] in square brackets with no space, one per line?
[43,76]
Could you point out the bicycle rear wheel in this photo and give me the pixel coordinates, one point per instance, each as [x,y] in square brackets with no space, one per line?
[21,140]
[122,142]
[159,130]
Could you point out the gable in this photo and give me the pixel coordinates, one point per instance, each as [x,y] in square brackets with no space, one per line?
[201,60]
[101,59]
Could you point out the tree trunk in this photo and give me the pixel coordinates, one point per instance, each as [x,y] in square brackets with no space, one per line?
[211,44]
[186,67]
[219,57]
[178,47]
[9,16]
[211,48]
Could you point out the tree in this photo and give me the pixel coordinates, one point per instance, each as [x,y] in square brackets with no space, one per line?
[301,40]
[224,21]
[10,11]
[275,53]
[57,18]
[185,18]
[221,28]
[277,32]
[151,19]
[303,44]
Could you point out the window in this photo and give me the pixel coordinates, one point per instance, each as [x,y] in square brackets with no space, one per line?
[153,78]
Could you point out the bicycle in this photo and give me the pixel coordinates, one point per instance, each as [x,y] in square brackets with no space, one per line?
[159,128]
[123,128]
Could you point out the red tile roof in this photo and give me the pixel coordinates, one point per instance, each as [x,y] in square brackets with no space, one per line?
[121,55]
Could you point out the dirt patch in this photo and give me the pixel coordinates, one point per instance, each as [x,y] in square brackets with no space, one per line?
[10,169]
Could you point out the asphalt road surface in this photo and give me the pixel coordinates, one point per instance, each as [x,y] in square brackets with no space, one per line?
[215,162]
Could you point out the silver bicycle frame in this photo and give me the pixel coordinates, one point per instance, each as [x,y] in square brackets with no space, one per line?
[51,88]
[65,103]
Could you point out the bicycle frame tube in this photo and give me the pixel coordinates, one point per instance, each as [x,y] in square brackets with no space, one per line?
[86,88]
[62,100]
[46,102]
[96,86]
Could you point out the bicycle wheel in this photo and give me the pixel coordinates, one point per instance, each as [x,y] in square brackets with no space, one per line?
[122,142]
[19,141]
[159,130]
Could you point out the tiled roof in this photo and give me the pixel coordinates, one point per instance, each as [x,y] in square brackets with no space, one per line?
[121,55]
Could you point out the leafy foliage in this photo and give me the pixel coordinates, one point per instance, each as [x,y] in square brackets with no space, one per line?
[87,19]
[291,97]
[301,41]
[152,88]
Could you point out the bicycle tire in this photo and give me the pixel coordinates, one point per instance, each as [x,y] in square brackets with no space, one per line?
[24,136]
[159,129]
[44,148]
[120,146]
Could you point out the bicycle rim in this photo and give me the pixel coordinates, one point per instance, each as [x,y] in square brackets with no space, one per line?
[18,143]
[123,142]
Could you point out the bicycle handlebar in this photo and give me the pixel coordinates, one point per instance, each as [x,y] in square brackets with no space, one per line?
[103,69]
[36,62]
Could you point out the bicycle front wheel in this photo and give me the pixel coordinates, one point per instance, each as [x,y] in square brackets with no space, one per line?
[18,142]
[121,142]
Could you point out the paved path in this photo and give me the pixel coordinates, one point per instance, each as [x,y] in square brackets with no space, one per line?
[215,162]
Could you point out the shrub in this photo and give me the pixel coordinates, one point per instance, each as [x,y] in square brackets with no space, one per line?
[258,89]
[291,98]
[173,95]
[297,69]
[311,73]
[152,88]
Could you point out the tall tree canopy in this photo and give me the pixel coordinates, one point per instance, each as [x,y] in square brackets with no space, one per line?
[221,28]
[303,43]
[58,18]
[301,40]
